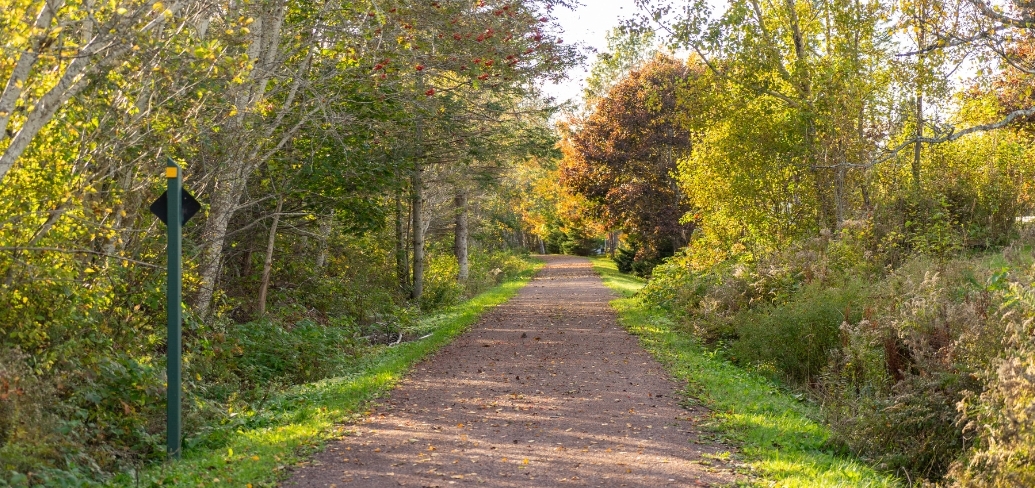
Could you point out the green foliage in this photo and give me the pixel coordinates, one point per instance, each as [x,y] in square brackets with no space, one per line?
[266,352]
[892,392]
[577,243]
[573,240]
[488,268]
[26,428]
[441,287]
[997,419]
[793,340]
[624,259]
[632,259]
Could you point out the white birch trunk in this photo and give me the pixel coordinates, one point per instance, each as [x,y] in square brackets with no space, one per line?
[460,234]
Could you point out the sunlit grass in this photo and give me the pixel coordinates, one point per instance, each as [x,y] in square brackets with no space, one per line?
[777,434]
[302,420]
[625,284]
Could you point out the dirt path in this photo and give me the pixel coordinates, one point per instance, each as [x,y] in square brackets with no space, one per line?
[547,390]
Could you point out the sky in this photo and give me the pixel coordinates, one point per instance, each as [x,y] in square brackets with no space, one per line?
[587,24]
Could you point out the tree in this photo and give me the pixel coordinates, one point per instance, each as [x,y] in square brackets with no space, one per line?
[624,154]
[820,83]
[625,51]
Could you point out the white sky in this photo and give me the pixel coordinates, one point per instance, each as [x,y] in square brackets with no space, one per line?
[586,25]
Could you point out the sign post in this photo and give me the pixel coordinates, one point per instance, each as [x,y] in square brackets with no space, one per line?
[175,207]
[174,307]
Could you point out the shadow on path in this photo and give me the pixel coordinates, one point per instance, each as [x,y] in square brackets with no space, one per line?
[546,390]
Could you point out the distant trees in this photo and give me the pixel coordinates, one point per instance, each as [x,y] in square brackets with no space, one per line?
[623,156]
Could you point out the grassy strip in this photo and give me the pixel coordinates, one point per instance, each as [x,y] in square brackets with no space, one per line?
[303,419]
[777,434]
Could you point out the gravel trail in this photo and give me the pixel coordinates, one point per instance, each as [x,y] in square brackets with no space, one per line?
[546,390]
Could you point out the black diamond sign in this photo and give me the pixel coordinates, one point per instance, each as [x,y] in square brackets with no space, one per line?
[161,206]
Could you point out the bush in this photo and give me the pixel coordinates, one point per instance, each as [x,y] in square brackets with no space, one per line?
[907,427]
[795,338]
[27,428]
[624,259]
[641,260]
[441,289]
[490,268]
[267,351]
[1000,420]
[891,393]
[890,354]
[579,244]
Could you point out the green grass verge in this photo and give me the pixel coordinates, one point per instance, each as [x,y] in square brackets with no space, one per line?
[300,421]
[777,434]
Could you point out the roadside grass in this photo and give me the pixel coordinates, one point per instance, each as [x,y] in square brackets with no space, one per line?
[777,434]
[300,421]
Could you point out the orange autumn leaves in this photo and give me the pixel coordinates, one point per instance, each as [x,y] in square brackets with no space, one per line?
[622,156]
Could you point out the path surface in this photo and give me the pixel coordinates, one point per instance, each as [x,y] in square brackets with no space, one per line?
[547,390]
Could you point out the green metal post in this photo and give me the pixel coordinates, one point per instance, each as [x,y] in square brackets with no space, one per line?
[174,350]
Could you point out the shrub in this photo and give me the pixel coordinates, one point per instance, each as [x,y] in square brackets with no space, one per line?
[267,351]
[120,419]
[490,268]
[576,242]
[1000,420]
[796,337]
[441,288]
[27,433]
[889,354]
[891,392]
[624,259]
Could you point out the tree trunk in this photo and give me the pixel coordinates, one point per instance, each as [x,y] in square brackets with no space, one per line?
[417,227]
[460,233]
[325,234]
[221,209]
[13,89]
[919,133]
[542,246]
[246,262]
[839,196]
[229,180]
[921,42]
[267,266]
[402,265]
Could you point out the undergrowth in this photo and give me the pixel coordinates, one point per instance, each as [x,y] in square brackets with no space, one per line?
[919,361]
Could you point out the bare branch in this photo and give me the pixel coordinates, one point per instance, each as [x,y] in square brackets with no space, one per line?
[947,136]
